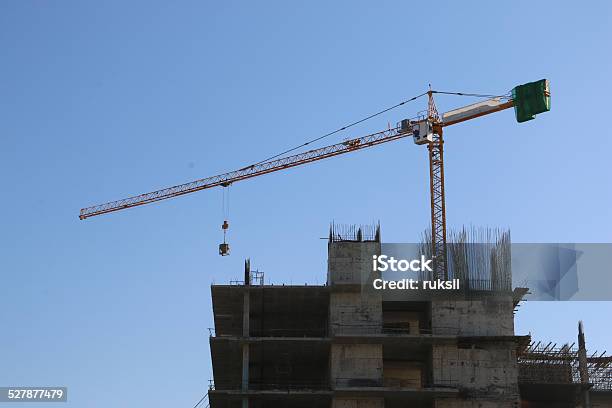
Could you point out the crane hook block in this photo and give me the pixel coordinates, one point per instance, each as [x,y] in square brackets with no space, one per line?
[224,249]
[225,225]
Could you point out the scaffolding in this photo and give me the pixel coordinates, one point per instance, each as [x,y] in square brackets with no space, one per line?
[552,364]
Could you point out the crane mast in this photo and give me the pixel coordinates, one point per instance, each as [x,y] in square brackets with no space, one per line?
[436,191]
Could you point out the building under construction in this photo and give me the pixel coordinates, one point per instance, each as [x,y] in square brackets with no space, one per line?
[337,345]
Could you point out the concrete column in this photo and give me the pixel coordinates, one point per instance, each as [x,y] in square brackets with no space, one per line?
[246,310]
[582,367]
[245,345]
[245,367]
[245,374]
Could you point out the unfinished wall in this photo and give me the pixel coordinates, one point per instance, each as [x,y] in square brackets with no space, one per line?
[353,309]
[601,399]
[488,370]
[358,403]
[458,403]
[488,316]
[407,322]
[407,374]
[350,263]
[353,313]
[356,365]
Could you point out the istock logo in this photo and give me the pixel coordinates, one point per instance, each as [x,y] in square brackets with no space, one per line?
[385,263]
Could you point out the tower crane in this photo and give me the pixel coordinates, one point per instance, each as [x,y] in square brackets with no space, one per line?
[426,129]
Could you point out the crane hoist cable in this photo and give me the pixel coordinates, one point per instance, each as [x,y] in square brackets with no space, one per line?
[225,201]
[224,248]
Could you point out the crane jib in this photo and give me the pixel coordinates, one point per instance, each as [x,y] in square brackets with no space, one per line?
[247,172]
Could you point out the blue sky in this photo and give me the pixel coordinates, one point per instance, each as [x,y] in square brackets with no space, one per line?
[102,100]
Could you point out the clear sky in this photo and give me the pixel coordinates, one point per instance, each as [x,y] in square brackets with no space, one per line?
[102,100]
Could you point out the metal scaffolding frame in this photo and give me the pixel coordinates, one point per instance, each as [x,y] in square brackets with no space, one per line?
[553,364]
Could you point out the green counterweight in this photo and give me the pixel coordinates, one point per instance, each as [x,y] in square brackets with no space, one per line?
[530,99]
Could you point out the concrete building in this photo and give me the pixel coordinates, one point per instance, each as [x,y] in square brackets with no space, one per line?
[339,346]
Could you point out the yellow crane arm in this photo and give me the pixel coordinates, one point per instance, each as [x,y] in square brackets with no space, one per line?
[251,171]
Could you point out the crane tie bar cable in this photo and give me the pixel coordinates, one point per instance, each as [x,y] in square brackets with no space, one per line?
[342,128]
[470,94]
